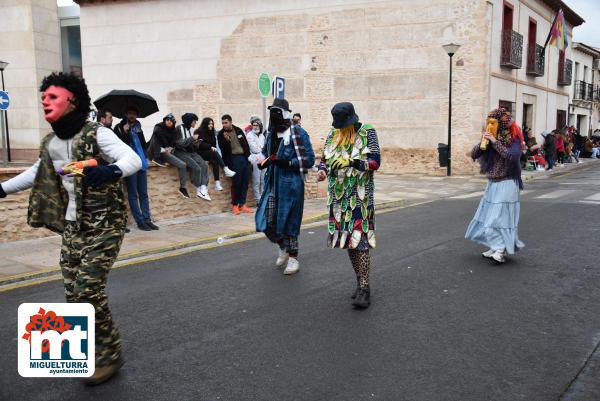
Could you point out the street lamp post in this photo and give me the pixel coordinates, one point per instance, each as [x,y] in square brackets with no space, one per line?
[3,65]
[450,49]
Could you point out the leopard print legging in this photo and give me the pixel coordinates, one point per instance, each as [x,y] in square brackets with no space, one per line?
[361,262]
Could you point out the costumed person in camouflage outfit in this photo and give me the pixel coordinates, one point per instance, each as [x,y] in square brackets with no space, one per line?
[87,209]
[287,155]
[350,157]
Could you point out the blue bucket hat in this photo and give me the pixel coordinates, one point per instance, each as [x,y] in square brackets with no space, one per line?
[343,115]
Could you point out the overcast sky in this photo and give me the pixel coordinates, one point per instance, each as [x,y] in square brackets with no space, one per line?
[589,10]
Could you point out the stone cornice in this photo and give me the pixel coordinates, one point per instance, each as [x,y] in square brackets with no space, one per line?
[571,16]
[532,85]
[589,50]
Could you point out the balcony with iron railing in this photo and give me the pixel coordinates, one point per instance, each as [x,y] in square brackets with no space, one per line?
[536,60]
[565,72]
[583,91]
[512,49]
[596,94]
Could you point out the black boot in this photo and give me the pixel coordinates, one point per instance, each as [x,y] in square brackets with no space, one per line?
[363,298]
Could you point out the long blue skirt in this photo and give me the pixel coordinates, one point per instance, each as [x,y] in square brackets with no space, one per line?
[496,220]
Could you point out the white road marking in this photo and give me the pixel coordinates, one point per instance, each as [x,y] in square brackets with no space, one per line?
[466,196]
[595,197]
[555,194]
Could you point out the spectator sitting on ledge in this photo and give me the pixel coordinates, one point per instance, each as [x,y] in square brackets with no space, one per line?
[164,138]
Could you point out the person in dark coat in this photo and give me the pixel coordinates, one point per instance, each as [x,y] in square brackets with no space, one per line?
[549,149]
[235,151]
[287,156]
[186,148]
[129,130]
[208,150]
[164,139]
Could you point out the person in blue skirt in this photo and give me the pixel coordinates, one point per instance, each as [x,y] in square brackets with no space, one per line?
[496,220]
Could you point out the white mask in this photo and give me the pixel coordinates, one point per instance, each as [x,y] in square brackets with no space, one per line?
[256,130]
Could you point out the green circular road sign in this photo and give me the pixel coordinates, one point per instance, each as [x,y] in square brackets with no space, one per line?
[264,84]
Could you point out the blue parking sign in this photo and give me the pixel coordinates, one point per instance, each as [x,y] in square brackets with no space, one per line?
[278,87]
[4,100]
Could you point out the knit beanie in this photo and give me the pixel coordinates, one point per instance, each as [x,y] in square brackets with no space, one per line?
[188,118]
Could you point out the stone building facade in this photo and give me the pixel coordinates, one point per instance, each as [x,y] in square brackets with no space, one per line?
[30,43]
[585,91]
[385,56]
[205,56]
[531,81]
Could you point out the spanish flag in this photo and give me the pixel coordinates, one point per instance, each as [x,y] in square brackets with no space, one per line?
[558,34]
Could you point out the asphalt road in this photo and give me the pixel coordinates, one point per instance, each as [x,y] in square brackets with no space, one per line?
[224,324]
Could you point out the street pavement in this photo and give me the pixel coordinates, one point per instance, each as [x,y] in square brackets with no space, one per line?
[223,324]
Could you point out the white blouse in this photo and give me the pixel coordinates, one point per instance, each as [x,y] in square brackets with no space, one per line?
[112,150]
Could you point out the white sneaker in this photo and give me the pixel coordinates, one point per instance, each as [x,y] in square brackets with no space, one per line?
[488,253]
[202,192]
[292,266]
[499,256]
[218,186]
[282,258]
[228,172]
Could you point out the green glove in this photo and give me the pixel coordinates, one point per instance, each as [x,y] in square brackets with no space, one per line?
[340,163]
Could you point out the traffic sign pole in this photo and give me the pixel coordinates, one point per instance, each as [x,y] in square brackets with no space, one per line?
[6,118]
[264,113]
[4,150]
[4,104]
[264,86]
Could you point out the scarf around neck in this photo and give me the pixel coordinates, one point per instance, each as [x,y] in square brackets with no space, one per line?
[490,155]
[69,125]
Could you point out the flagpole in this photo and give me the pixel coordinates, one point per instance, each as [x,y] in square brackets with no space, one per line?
[551,27]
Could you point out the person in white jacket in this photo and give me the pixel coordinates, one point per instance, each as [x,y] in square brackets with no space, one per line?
[87,208]
[256,142]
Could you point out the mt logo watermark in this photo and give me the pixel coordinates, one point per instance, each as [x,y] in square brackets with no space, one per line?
[56,340]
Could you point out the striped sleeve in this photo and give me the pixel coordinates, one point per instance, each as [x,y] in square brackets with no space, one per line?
[374,157]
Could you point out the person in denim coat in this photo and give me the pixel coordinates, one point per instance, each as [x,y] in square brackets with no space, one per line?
[288,156]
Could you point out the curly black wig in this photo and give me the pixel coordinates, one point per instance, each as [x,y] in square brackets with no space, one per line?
[73,84]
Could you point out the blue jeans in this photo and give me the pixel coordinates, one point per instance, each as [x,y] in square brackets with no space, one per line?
[239,187]
[137,184]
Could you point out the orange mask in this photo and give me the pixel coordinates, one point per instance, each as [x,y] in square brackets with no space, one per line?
[492,126]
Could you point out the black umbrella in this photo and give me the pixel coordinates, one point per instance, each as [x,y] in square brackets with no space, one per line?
[118,100]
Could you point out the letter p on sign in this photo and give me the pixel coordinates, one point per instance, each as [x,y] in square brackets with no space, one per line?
[278,87]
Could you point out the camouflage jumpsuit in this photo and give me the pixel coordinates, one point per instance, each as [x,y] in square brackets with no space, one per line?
[90,244]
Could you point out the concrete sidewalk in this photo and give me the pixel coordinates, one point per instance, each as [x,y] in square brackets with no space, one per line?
[37,259]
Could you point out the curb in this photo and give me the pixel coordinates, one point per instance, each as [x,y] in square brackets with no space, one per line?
[14,281]
[560,173]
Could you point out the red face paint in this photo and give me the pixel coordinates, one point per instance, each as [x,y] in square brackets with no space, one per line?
[56,103]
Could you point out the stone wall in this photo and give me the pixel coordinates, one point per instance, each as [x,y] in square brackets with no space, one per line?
[165,202]
[392,68]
